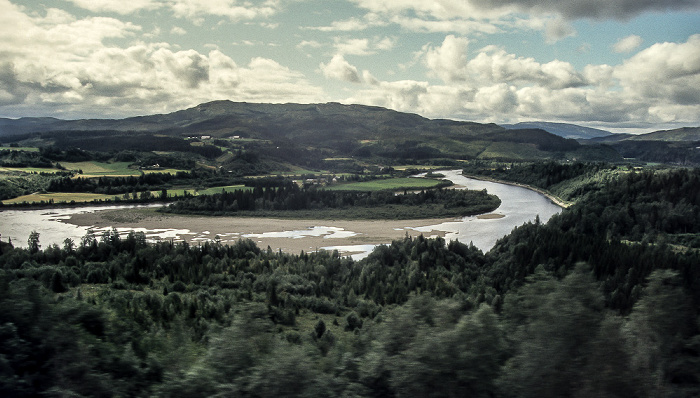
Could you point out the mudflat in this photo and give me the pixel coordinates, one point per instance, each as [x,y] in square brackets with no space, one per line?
[288,235]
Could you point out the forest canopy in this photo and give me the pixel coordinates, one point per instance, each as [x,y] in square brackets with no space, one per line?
[602,300]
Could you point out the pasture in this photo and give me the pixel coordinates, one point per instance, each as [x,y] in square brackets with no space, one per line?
[395,184]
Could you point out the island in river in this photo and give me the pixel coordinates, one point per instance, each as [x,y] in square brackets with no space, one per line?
[289,235]
[518,205]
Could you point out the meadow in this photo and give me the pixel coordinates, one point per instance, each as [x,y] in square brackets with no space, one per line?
[405,183]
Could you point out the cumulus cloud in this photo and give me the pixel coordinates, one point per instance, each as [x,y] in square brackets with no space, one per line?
[119,7]
[667,72]
[354,46]
[627,44]
[234,10]
[500,98]
[557,29]
[439,9]
[496,65]
[657,85]
[449,61]
[340,69]
[191,9]
[61,61]
[176,30]
[352,24]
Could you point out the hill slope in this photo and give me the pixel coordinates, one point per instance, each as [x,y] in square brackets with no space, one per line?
[310,130]
[561,129]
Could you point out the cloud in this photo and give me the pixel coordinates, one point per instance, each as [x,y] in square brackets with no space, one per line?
[449,61]
[340,69]
[176,30]
[667,72]
[119,7]
[61,65]
[557,29]
[627,44]
[461,26]
[439,9]
[494,65]
[500,98]
[191,9]
[655,86]
[385,44]
[232,9]
[351,24]
[352,46]
[596,9]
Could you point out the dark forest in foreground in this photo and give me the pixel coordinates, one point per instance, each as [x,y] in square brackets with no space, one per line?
[600,301]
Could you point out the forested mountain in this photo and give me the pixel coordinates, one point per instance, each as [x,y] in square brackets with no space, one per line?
[565,130]
[679,146]
[601,301]
[309,131]
[685,134]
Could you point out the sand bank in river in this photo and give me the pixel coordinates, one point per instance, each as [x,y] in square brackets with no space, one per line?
[289,235]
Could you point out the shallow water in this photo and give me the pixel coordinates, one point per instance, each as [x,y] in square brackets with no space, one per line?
[518,205]
[18,224]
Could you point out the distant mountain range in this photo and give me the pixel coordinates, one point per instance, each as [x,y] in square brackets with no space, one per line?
[684,134]
[561,129]
[336,130]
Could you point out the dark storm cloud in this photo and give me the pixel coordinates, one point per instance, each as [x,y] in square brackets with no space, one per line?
[12,91]
[596,9]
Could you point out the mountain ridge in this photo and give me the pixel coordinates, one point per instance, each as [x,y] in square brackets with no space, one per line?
[326,130]
[565,130]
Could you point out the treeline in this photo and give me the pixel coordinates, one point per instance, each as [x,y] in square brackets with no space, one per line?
[116,141]
[552,311]
[119,185]
[24,159]
[538,174]
[289,197]
[642,204]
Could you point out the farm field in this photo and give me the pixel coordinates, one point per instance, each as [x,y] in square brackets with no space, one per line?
[101,169]
[61,197]
[116,169]
[80,197]
[20,149]
[29,170]
[390,183]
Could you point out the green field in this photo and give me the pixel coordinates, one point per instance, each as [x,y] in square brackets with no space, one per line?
[164,171]
[66,197]
[20,149]
[116,169]
[203,191]
[228,188]
[28,170]
[390,183]
[81,197]
[102,169]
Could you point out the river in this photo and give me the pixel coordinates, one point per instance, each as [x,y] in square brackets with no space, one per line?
[518,205]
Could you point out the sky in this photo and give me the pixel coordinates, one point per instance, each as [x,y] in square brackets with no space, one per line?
[620,65]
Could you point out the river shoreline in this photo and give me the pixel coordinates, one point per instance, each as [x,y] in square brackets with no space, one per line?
[351,237]
[555,199]
[289,235]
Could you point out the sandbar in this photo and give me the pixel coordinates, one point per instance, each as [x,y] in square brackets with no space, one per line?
[288,235]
